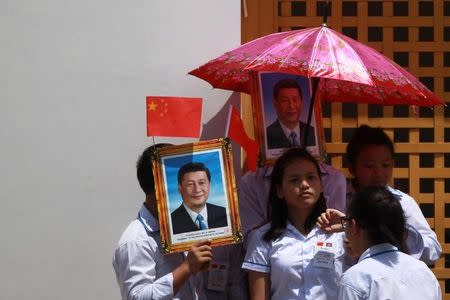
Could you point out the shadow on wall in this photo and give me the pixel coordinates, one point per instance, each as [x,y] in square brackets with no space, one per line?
[216,127]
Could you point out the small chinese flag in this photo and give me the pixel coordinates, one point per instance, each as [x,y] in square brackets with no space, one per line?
[174,116]
[236,132]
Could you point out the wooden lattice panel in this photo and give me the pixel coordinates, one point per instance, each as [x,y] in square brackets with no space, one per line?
[415,34]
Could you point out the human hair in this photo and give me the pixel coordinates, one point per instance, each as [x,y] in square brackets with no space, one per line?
[286,83]
[144,168]
[193,167]
[277,209]
[380,213]
[365,136]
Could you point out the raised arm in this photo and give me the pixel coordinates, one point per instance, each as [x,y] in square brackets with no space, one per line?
[198,259]
[135,266]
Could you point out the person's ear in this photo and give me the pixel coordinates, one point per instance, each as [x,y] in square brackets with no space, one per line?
[355,228]
[179,188]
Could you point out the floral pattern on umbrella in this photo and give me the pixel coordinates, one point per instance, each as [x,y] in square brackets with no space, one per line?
[349,71]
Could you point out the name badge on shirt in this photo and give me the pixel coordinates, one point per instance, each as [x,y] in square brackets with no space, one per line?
[217,277]
[323,255]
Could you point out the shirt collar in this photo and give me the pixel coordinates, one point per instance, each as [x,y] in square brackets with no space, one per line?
[287,131]
[374,250]
[193,214]
[150,223]
[394,191]
[294,230]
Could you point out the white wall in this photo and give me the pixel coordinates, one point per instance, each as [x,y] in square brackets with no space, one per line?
[73,81]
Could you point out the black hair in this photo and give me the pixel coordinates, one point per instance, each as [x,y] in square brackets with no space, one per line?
[144,168]
[193,167]
[365,136]
[379,212]
[285,84]
[277,209]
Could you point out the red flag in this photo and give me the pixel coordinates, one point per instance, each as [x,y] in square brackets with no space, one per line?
[174,116]
[236,132]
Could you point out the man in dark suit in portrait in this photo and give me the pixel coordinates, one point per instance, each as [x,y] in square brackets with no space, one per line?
[288,131]
[194,183]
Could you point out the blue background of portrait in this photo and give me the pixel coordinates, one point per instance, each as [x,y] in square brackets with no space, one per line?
[212,160]
[268,80]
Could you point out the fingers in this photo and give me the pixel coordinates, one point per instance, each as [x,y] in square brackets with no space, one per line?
[201,243]
[324,218]
[323,221]
[199,256]
[202,248]
[330,221]
[335,213]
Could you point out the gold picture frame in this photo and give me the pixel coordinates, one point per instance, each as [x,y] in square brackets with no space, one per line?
[265,115]
[177,233]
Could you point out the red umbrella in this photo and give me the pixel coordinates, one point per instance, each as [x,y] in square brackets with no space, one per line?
[348,71]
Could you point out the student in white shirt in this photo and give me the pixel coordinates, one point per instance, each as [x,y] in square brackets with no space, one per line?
[254,195]
[375,229]
[370,154]
[142,270]
[290,258]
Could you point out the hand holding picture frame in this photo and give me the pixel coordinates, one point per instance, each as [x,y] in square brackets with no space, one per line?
[280,104]
[196,194]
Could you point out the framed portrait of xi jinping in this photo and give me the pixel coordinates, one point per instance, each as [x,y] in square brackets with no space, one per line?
[196,194]
[281,103]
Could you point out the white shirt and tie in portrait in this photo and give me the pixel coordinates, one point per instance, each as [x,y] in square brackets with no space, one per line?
[286,105]
[200,218]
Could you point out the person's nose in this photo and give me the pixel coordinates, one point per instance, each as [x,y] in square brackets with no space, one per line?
[377,171]
[196,188]
[292,103]
[304,185]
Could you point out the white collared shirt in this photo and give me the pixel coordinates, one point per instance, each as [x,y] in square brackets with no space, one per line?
[290,260]
[422,241]
[383,272]
[254,194]
[287,132]
[193,215]
[142,270]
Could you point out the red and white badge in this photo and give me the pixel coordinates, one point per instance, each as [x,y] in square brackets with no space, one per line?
[323,255]
[217,277]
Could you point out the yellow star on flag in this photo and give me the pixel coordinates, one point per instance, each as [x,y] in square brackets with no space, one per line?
[152,106]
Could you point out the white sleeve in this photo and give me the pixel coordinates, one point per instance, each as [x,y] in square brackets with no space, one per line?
[429,250]
[135,266]
[346,292]
[257,256]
